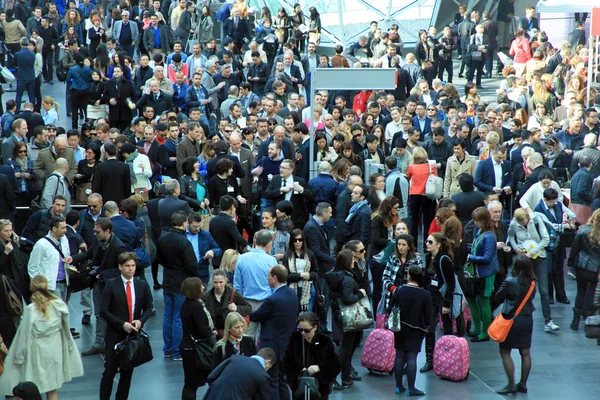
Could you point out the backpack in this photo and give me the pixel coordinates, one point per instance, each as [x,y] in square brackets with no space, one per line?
[554,236]
[61,72]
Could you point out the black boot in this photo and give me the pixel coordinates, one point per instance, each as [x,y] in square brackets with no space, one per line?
[429,347]
[576,319]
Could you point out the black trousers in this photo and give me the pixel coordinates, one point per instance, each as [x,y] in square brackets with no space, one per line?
[108,376]
[79,100]
[377,276]
[445,65]
[475,69]
[48,64]
[586,285]
[556,274]
[422,209]
[348,345]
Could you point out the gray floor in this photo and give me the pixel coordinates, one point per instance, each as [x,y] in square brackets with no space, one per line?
[565,364]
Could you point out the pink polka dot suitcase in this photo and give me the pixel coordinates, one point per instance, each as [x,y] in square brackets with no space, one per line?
[451,358]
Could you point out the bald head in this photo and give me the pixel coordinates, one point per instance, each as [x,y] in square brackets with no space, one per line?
[354,180]
[324,167]
[111,208]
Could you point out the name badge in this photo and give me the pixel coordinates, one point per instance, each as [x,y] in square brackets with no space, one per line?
[434,283]
[230,189]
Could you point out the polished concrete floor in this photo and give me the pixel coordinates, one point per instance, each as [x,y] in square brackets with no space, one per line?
[565,364]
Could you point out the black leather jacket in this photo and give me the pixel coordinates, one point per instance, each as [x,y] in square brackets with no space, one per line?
[512,293]
[188,190]
[584,254]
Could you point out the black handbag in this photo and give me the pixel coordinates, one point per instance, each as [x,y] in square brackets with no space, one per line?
[135,350]
[320,308]
[203,352]
[592,327]
[82,279]
[308,387]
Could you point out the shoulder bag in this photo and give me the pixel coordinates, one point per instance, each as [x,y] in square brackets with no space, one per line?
[592,327]
[203,352]
[393,321]
[14,304]
[471,272]
[500,327]
[434,187]
[357,316]
[308,387]
[134,351]
[457,296]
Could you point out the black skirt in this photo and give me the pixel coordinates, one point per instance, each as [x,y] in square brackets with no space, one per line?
[519,336]
[409,339]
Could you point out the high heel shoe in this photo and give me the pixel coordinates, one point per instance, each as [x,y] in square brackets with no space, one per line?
[521,388]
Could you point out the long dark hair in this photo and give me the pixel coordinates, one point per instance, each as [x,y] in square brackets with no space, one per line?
[445,245]
[523,269]
[344,261]
[291,253]
[417,275]
[412,251]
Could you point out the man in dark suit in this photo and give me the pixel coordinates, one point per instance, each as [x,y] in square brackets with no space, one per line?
[421,120]
[277,316]
[24,60]
[126,306]
[318,241]
[304,164]
[490,28]
[486,179]
[246,159]
[149,145]
[103,253]
[221,149]
[359,216]
[479,42]
[112,178]
[224,230]
[155,230]
[171,203]
[292,70]
[286,186]
[529,22]
[237,28]
[241,377]
[403,85]
[576,37]
[287,147]
[118,93]
[465,30]
[258,74]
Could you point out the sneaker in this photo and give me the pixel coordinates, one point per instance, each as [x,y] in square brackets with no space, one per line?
[177,358]
[551,327]
[167,355]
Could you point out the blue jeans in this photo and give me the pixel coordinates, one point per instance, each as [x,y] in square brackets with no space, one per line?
[265,203]
[210,122]
[172,331]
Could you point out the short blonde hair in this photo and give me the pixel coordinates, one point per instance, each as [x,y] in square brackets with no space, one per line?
[527,151]
[492,138]
[229,259]
[521,215]
[420,155]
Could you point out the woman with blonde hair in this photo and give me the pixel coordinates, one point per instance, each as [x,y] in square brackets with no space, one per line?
[234,342]
[541,95]
[228,262]
[491,141]
[43,350]
[49,111]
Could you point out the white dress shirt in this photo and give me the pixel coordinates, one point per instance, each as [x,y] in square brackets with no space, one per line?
[132,295]
[497,173]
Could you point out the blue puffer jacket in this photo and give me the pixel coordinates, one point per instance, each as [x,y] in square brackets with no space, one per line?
[486,255]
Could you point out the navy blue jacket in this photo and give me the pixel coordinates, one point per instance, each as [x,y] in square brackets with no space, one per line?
[324,188]
[427,128]
[24,60]
[251,379]
[360,226]
[277,315]
[126,231]
[319,245]
[485,179]
[206,243]
[581,187]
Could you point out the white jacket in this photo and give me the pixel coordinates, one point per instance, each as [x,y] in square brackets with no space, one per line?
[44,260]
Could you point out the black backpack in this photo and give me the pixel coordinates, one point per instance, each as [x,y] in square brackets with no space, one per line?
[61,72]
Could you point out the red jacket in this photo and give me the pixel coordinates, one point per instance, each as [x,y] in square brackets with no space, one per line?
[360,103]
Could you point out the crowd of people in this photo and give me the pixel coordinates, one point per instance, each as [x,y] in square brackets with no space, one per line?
[195,159]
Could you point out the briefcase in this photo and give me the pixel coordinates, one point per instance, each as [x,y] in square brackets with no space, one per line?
[135,350]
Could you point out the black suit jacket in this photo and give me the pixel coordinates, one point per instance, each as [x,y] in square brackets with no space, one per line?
[224,230]
[251,380]
[319,245]
[211,166]
[238,35]
[112,180]
[403,85]
[113,308]
[108,261]
[301,202]
[120,112]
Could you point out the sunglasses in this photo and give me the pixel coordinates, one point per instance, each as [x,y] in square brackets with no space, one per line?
[431,109]
[51,129]
[430,242]
[360,251]
[298,240]
[22,151]
[359,135]
[228,131]
[301,330]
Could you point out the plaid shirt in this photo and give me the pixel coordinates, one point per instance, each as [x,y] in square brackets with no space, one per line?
[390,274]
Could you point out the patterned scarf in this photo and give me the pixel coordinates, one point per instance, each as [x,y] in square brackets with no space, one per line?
[354,210]
[236,342]
[305,297]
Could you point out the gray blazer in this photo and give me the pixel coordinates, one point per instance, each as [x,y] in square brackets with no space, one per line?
[135,33]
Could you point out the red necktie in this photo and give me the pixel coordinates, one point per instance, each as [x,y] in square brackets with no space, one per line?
[129,301]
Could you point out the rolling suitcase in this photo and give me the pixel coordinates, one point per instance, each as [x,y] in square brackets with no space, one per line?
[451,358]
[378,351]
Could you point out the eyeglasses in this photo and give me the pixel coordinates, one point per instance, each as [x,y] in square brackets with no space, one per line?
[431,109]
[361,250]
[91,206]
[430,242]
[301,330]
[298,240]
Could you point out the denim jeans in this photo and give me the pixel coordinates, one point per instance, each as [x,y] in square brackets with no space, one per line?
[265,203]
[172,331]
[540,268]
